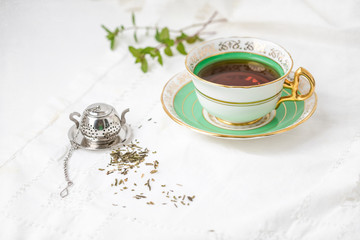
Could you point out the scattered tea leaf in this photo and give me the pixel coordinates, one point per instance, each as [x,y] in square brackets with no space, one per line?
[127,158]
[156,164]
[148,184]
[139,196]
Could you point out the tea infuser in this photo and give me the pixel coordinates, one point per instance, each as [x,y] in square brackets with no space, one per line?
[99,129]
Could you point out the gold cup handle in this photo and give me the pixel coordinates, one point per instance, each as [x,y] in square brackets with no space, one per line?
[295,96]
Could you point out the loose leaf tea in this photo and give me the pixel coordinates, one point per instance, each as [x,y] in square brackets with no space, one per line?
[128,158]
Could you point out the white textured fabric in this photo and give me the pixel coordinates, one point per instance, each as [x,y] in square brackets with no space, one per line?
[303,184]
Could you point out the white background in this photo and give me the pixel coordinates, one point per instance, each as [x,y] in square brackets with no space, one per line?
[54,59]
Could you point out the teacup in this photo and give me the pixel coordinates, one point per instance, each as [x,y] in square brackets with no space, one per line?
[235,104]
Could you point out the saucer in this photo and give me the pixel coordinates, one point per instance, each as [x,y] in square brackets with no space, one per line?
[180,102]
[84,143]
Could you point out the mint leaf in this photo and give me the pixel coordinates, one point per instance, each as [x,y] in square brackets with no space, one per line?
[164,35]
[150,50]
[135,52]
[106,29]
[157,35]
[191,39]
[183,36]
[181,48]
[133,18]
[159,58]
[169,42]
[144,65]
[135,37]
[194,39]
[168,51]
[111,36]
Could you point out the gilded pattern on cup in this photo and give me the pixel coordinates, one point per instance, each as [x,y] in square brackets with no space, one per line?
[236,45]
[229,44]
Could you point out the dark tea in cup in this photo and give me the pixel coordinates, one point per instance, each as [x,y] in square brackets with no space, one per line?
[238,69]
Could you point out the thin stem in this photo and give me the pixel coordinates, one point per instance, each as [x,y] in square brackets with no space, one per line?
[203,24]
[154,28]
[207,23]
[200,24]
[147,28]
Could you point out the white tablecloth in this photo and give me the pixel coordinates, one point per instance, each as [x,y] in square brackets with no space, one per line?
[54,59]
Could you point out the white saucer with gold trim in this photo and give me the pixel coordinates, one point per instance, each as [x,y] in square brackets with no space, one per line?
[181,104]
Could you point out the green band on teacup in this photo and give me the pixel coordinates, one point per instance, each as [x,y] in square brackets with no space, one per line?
[238,104]
[239,55]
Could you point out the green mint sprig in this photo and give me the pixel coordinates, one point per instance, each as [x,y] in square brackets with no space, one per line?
[166,42]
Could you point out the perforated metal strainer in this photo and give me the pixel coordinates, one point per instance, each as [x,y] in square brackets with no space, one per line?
[99,128]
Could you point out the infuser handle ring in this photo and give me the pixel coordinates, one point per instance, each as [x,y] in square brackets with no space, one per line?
[122,119]
[71,116]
